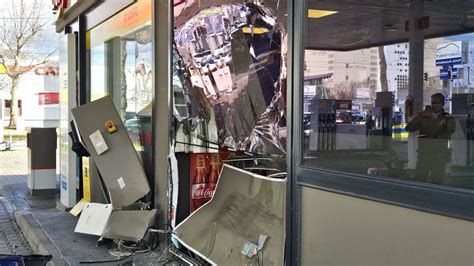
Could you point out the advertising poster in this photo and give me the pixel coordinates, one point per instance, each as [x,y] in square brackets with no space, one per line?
[204,174]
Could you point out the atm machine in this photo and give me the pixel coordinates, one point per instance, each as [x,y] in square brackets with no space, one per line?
[461,140]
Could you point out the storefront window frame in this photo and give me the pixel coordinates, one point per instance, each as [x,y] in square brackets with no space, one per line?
[435,199]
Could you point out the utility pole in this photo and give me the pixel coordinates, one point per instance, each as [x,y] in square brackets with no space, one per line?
[450,87]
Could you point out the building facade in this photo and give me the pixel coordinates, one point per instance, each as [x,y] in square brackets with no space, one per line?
[228,79]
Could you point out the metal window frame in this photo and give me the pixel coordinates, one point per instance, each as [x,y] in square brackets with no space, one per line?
[162,32]
[162,35]
[72,13]
[435,199]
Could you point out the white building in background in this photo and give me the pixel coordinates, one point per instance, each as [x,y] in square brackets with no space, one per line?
[353,66]
[38,99]
[398,67]
[363,65]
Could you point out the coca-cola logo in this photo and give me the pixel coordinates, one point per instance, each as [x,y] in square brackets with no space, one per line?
[208,193]
[200,191]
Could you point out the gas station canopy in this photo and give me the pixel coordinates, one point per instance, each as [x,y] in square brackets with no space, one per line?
[358,24]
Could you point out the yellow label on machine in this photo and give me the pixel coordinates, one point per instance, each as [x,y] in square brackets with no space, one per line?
[86,187]
[86,179]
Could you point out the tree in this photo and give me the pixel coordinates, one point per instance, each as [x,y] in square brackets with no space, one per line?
[23,41]
[383,69]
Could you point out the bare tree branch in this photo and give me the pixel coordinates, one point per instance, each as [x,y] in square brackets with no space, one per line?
[21,45]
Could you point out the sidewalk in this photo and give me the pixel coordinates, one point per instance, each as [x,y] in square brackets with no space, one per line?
[48,231]
[13,170]
[13,166]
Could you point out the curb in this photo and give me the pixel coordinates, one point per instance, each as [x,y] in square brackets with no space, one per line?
[37,238]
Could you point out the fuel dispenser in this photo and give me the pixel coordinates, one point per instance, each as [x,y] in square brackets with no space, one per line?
[462,138]
[349,135]
[323,125]
[381,136]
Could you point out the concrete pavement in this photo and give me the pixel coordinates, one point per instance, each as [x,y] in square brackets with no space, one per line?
[13,170]
[13,166]
[27,229]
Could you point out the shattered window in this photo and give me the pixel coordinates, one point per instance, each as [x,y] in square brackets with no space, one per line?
[231,63]
[229,83]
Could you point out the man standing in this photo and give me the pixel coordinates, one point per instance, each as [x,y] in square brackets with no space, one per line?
[436,127]
[369,122]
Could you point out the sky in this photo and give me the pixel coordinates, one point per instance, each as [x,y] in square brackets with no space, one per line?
[45,42]
[461,37]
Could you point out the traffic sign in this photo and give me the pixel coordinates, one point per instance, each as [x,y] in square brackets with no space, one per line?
[449,53]
[446,73]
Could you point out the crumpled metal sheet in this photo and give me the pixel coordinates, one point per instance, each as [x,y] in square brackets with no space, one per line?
[244,206]
[129,225]
[231,59]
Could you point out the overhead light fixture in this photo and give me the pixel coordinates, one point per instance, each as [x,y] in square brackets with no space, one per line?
[317,13]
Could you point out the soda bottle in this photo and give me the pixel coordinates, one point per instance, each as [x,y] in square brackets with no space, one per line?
[199,183]
[213,175]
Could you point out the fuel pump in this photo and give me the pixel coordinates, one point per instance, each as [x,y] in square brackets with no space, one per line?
[381,135]
[461,140]
[323,133]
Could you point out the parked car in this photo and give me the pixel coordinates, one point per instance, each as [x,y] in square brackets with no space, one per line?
[132,125]
[357,119]
[202,58]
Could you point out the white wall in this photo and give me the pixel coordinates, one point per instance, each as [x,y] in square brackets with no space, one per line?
[343,230]
[34,114]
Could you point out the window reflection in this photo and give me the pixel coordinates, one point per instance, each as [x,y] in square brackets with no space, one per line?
[370,110]
[121,66]
[232,63]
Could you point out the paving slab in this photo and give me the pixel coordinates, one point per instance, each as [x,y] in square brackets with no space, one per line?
[12,241]
[51,232]
[31,225]
[72,247]
[13,166]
